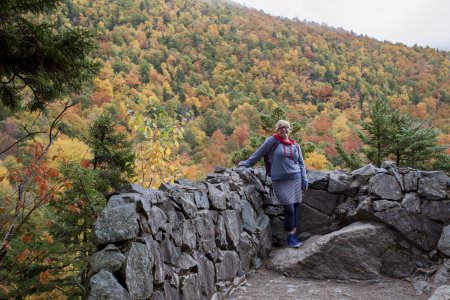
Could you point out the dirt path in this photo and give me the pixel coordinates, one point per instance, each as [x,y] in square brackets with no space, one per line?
[266,284]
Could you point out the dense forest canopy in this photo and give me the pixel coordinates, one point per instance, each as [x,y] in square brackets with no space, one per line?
[216,66]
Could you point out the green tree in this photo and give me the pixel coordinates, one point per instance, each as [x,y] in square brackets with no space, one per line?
[412,144]
[376,132]
[113,155]
[37,56]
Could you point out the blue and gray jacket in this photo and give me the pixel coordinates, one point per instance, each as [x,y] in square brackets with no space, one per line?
[287,161]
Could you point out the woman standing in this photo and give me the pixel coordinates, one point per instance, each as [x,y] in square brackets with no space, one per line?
[288,174]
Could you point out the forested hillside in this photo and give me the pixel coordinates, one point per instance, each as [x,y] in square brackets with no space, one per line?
[181,89]
[211,68]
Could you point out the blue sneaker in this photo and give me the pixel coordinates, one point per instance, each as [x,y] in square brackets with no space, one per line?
[293,241]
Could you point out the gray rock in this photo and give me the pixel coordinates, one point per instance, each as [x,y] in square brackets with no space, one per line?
[234,202]
[228,266]
[318,179]
[158,295]
[186,202]
[171,292]
[411,180]
[115,225]
[247,252]
[354,252]
[156,219]
[278,232]
[363,174]
[206,273]
[233,225]
[392,169]
[221,233]
[264,234]
[138,271]
[432,188]
[322,201]
[244,173]
[417,228]
[204,226]
[185,262]
[339,182]
[189,235]
[344,209]
[253,196]
[201,199]
[110,259]
[132,188]
[441,293]
[313,220]
[248,216]
[104,286]
[421,286]
[190,287]
[444,241]
[436,210]
[363,211]
[438,175]
[170,253]
[158,261]
[175,226]
[411,202]
[274,211]
[382,205]
[442,276]
[122,199]
[217,198]
[385,187]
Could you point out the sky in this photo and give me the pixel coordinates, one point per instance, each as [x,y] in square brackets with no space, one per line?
[421,22]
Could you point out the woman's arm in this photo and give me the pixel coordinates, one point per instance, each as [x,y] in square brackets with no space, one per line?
[260,152]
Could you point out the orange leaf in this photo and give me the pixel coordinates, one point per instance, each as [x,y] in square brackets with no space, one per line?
[73,208]
[47,237]
[84,164]
[2,177]
[22,256]
[53,173]
[44,277]
[68,184]
[26,238]
[8,200]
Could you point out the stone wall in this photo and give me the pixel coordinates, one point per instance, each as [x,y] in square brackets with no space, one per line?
[198,240]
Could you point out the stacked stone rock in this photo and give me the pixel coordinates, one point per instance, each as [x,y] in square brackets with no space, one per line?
[198,240]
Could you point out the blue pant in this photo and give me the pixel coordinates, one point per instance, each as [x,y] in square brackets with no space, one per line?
[290,216]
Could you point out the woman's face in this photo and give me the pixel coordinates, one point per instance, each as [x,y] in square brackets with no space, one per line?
[283,131]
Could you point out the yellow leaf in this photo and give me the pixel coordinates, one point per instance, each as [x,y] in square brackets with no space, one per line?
[168,151]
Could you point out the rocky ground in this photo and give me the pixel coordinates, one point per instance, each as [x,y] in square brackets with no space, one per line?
[266,284]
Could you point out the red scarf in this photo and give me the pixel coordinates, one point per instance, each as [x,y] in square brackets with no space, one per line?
[283,141]
[288,143]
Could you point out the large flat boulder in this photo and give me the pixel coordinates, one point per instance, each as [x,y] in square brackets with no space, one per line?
[358,251]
